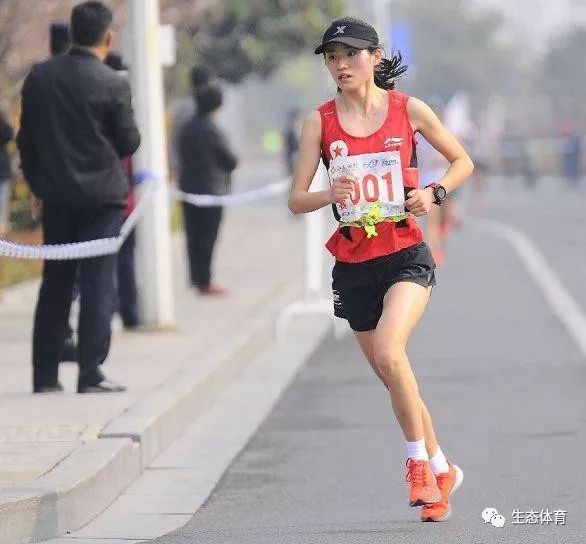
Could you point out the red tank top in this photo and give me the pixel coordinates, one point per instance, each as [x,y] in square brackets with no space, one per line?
[350,244]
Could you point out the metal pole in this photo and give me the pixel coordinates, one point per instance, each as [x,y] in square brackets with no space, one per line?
[153,231]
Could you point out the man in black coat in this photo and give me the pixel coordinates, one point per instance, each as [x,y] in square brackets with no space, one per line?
[76,124]
[206,164]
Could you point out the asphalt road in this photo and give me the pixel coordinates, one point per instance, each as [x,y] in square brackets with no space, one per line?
[505,384]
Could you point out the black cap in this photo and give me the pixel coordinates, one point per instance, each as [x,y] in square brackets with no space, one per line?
[349,31]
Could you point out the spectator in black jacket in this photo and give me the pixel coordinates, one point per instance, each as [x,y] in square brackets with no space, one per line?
[76,124]
[125,278]
[59,44]
[291,140]
[206,164]
[183,111]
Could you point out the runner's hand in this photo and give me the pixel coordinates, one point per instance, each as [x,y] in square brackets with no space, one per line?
[419,201]
[341,188]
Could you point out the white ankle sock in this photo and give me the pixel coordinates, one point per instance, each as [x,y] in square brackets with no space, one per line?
[416,450]
[439,462]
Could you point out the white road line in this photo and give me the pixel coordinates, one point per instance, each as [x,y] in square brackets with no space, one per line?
[560,300]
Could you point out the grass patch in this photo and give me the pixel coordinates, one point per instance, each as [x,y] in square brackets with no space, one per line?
[176,216]
[18,270]
[14,271]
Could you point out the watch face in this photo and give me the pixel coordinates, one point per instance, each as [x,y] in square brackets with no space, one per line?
[440,192]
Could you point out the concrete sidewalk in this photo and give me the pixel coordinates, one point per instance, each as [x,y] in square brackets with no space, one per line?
[65,457]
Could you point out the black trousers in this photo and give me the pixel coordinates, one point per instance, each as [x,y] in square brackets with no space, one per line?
[64,224]
[201,231]
[126,282]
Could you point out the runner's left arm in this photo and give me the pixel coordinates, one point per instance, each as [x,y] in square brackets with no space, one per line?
[426,122]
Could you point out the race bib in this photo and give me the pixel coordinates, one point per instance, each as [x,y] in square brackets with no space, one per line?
[379,179]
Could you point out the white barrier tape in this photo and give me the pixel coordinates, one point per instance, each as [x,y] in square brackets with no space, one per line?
[108,246]
[134,216]
[60,252]
[78,250]
[272,189]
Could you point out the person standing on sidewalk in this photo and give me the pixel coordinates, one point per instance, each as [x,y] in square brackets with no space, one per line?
[59,44]
[125,278]
[206,164]
[384,272]
[76,124]
[291,140]
[183,112]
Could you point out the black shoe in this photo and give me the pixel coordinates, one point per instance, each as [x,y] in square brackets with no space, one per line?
[55,388]
[69,351]
[105,386]
[131,327]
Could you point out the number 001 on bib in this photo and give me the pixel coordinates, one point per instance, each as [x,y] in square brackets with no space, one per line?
[379,178]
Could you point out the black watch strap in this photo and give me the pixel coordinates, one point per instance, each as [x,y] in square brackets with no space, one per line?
[439,193]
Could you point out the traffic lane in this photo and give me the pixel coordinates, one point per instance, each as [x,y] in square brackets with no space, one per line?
[554,218]
[505,387]
[519,380]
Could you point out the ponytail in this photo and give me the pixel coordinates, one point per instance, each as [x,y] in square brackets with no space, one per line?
[388,70]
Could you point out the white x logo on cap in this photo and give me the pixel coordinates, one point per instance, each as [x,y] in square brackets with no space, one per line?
[340,30]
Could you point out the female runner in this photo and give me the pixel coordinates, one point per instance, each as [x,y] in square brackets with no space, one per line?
[384,272]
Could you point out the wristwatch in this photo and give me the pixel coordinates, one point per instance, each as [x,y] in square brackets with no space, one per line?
[439,193]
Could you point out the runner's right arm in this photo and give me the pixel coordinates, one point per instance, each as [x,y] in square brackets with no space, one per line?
[300,199]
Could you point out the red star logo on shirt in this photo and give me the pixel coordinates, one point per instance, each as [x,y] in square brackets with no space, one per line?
[342,205]
[338,151]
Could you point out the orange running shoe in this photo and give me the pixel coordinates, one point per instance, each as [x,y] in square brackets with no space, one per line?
[448,482]
[423,488]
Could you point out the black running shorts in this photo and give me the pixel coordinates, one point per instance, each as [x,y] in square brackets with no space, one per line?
[359,288]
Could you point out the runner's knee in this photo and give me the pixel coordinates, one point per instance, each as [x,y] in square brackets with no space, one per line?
[391,361]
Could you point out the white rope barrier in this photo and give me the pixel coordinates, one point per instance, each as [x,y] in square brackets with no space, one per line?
[109,246]
[235,198]
[78,250]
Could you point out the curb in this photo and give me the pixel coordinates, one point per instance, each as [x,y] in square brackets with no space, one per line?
[93,476]
[222,432]
[159,419]
[79,489]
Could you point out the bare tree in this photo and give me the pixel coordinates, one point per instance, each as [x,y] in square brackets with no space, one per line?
[10,11]
[24,37]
